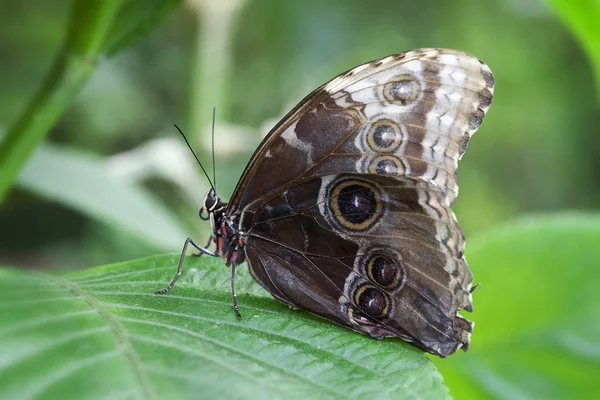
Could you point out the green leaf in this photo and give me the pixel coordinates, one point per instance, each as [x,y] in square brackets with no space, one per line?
[537,313]
[101,333]
[136,18]
[97,28]
[81,181]
[582,16]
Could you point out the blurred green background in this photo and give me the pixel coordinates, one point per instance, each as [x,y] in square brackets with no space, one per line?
[90,91]
[538,150]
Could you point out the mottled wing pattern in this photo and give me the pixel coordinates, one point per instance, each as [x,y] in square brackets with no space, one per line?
[387,267]
[410,114]
[354,221]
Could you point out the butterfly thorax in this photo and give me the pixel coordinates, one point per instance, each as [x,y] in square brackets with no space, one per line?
[225,234]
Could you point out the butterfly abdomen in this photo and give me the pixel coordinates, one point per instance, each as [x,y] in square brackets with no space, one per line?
[230,245]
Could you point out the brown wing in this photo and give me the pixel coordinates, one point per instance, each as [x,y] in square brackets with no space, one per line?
[345,206]
[409,114]
[380,255]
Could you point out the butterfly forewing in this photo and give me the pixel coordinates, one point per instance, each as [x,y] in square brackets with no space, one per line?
[430,100]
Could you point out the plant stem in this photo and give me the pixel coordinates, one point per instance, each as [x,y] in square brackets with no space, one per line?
[89,26]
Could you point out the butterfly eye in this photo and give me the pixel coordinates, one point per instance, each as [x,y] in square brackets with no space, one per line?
[209,202]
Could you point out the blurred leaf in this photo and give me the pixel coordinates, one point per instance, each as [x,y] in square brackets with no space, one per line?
[537,332]
[81,182]
[582,18]
[97,28]
[102,333]
[136,18]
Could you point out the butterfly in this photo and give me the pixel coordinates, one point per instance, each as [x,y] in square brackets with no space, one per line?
[344,208]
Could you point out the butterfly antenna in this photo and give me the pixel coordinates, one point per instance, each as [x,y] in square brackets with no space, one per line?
[196,157]
[213,150]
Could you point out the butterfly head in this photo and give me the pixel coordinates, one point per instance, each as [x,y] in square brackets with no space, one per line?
[210,204]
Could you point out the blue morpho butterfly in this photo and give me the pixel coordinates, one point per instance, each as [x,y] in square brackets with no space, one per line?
[344,208]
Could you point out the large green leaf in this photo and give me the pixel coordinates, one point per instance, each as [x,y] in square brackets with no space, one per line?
[101,333]
[82,182]
[537,313]
[582,16]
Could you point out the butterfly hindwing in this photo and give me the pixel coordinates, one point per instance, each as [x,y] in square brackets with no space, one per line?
[374,253]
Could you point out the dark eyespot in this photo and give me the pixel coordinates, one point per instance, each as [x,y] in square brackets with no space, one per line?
[359,317]
[386,165]
[384,135]
[355,204]
[385,271]
[404,89]
[372,301]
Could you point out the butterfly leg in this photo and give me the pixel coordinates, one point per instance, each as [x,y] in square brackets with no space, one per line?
[201,252]
[180,266]
[233,292]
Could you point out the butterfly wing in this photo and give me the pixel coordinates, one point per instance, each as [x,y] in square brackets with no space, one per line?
[429,101]
[345,205]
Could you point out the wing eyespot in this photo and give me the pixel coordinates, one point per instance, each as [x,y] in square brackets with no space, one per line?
[355,205]
[387,165]
[386,271]
[372,301]
[403,89]
[384,136]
